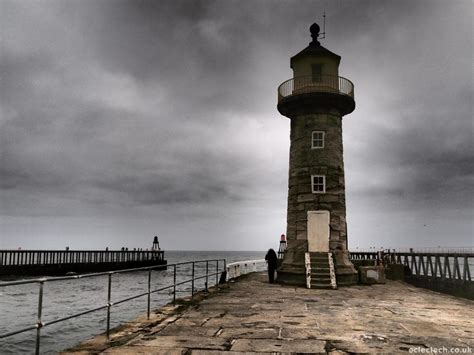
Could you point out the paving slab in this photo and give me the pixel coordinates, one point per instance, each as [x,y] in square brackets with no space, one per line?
[252,316]
[271,345]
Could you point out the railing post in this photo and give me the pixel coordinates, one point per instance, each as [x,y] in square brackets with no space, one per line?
[174,284]
[207,273]
[192,283]
[149,293]
[39,323]
[430,264]
[447,266]
[466,272]
[109,304]
[456,268]
[217,273]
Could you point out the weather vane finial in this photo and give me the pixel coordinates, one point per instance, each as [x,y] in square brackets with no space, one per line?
[314,29]
[315,34]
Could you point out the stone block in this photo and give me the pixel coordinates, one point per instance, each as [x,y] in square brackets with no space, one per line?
[335,219]
[372,275]
[302,179]
[301,235]
[325,206]
[329,198]
[301,216]
[279,346]
[335,190]
[305,188]
[334,120]
[293,180]
[307,197]
[319,170]
[299,171]
[338,227]
[301,226]
[395,271]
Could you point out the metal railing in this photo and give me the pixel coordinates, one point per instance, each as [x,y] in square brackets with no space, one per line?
[54,257]
[442,265]
[210,272]
[439,249]
[309,84]
[239,268]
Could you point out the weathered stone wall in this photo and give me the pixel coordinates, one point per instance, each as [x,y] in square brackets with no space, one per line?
[305,162]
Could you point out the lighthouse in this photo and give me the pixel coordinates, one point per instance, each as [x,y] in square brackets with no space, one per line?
[315,100]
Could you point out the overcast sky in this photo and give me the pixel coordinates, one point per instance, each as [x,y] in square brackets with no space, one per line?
[121,120]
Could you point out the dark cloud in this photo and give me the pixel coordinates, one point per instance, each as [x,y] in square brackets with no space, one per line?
[134,114]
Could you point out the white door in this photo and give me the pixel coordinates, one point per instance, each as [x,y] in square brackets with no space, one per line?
[318,231]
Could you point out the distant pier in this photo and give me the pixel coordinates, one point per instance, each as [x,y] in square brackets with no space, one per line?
[62,262]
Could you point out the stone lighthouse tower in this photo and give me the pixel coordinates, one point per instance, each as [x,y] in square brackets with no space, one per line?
[315,100]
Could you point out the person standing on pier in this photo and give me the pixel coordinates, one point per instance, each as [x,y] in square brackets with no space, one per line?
[272,261]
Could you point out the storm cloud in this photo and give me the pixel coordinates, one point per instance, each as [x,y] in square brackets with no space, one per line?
[120,120]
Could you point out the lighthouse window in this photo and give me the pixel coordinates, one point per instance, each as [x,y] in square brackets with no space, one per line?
[318,184]
[317,140]
[316,72]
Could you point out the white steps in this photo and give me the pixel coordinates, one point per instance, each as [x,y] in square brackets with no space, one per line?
[320,270]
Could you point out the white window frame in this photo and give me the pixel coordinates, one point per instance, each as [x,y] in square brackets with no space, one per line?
[312,184]
[312,139]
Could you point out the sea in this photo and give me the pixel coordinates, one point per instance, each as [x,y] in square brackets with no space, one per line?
[19,304]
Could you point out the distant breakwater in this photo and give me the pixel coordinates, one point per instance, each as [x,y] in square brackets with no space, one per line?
[63,262]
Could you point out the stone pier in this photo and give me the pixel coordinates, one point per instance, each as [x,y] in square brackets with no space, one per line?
[252,316]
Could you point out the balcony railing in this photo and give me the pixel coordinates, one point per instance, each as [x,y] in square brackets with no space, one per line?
[321,84]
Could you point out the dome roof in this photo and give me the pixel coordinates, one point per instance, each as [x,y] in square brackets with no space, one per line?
[315,48]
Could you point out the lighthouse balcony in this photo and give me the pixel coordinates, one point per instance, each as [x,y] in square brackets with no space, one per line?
[308,94]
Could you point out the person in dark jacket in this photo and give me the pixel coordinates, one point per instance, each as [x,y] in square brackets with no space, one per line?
[272,261]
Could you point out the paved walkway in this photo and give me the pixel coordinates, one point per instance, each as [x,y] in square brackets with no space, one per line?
[251,315]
